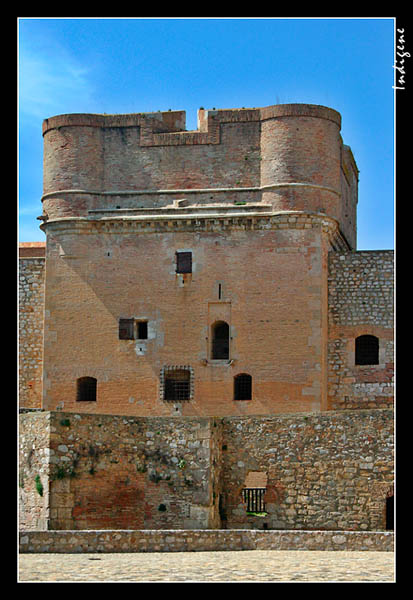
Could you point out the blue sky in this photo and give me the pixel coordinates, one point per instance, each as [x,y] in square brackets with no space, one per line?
[100,65]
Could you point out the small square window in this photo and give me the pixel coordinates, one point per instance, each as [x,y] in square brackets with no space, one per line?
[86,389]
[184,262]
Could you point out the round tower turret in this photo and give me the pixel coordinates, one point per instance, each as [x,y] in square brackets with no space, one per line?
[301,158]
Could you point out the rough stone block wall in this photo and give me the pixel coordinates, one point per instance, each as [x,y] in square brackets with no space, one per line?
[202,541]
[360,286]
[31,319]
[328,471]
[34,470]
[115,472]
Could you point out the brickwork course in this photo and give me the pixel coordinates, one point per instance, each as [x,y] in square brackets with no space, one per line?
[190,279]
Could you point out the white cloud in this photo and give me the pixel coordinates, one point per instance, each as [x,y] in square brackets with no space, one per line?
[52,83]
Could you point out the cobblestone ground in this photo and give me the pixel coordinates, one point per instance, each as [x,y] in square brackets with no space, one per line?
[209,567]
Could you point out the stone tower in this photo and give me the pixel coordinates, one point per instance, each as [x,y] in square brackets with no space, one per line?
[186,271]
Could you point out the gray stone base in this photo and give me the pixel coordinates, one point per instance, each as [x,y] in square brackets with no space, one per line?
[112,541]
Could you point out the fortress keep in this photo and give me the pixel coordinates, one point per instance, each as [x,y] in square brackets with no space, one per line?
[206,277]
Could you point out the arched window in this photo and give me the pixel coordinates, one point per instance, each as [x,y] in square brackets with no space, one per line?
[86,389]
[243,387]
[367,350]
[220,341]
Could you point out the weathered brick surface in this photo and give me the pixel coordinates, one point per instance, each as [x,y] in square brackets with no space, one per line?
[271,297]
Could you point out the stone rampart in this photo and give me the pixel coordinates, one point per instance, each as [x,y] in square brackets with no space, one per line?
[205,540]
[327,471]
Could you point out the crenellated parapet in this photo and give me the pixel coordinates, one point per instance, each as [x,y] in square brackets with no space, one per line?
[288,157]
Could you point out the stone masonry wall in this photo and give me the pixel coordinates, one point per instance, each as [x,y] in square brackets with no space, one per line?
[34,452]
[202,540]
[114,472]
[360,302]
[31,313]
[327,471]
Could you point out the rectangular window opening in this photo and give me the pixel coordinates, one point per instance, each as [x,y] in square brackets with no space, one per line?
[142,330]
[184,262]
[177,385]
[126,329]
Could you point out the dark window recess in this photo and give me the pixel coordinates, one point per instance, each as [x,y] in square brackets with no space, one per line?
[86,389]
[254,499]
[367,350]
[390,513]
[243,387]
[126,329]
[184,262]
[142,330]
[220,341]
[177,385]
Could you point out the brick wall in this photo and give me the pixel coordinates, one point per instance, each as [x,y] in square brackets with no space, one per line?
[361,286]
[272,277]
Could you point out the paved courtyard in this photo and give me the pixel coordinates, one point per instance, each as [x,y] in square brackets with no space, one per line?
[209,567]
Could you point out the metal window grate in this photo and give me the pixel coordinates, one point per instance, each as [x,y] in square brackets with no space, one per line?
[254,499]
[367,350]
[177,385]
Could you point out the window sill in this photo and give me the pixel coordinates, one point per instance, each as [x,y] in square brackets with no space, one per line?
[216,362]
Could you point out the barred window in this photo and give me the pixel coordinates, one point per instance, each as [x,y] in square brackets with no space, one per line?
[243,387]
[177,385]
[367,350]
[86,389]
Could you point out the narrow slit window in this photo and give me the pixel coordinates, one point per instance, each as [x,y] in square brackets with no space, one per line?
[86,389]
[367,350]
[184,262]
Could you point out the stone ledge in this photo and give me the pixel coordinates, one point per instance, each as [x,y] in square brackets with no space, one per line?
[201,540]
